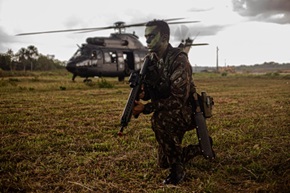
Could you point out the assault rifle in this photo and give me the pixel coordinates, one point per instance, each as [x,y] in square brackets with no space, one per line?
[135,80]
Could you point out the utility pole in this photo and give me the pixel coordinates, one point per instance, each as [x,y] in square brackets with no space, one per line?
[217,59]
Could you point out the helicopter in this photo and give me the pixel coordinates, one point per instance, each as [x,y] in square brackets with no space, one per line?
[115,56]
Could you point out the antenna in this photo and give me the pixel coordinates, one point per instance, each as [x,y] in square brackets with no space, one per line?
[217,59]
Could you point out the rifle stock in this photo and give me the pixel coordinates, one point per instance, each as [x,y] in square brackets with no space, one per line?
[136,80]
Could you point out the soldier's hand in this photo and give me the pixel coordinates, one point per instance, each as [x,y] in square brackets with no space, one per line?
[138,108]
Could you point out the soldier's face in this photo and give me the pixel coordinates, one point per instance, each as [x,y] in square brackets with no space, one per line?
[153,38]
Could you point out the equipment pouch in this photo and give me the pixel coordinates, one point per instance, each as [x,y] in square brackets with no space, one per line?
[206,104]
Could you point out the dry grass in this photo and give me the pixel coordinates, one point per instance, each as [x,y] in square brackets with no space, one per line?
[60,136]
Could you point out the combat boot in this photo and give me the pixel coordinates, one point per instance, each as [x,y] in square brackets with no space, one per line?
[176,175]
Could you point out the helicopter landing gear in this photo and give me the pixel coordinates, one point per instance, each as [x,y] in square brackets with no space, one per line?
[87,80]
[121,78]
[73,78]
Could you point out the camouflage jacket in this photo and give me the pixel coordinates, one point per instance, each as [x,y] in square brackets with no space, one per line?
[168,82]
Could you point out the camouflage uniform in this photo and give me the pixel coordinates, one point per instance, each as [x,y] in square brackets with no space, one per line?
[168,83]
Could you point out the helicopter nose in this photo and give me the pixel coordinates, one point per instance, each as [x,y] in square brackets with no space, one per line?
[71,66]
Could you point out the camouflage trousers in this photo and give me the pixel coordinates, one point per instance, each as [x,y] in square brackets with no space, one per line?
[169,128]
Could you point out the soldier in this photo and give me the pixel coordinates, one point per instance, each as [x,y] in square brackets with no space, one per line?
[168,84]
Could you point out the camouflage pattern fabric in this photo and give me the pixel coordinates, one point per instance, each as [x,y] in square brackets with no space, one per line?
[168,83]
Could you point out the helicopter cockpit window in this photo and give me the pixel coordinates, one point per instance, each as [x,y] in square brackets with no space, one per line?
[96,54]
[77,54]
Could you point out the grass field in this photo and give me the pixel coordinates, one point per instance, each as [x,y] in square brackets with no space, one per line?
[61,136]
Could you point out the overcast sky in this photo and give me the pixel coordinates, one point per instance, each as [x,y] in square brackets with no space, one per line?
[245,31]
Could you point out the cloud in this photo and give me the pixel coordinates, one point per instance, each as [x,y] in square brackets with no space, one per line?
[4,40]
[274,11]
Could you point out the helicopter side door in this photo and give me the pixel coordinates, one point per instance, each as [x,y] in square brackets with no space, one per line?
[129,62]
[110,63]
[125,64]
[120,62]
[117,62]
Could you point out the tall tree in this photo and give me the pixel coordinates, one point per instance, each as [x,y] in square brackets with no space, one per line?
[32,55]
[10,54]
[27,55]
[22,57]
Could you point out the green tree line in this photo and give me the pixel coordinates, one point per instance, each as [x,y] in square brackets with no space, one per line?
[28,59]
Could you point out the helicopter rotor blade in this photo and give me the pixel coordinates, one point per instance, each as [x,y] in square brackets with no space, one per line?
[117,25]
[144,23]
[181,22]
[200,44]
[66,30]
[181,33]
[138,25]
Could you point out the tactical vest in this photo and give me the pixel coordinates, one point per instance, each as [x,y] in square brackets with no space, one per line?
[158,74]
